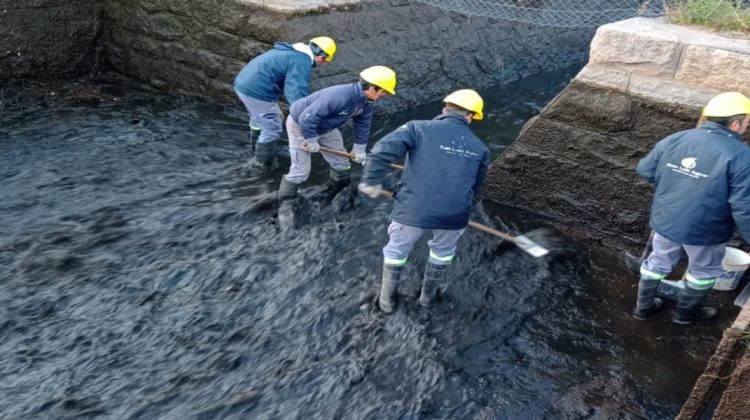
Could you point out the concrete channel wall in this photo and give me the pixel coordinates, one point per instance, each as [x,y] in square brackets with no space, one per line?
[198,46]
[48,39]
[576,161]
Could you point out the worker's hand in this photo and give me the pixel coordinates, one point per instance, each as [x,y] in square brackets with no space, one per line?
[358,150]
[372,191]
[310,145]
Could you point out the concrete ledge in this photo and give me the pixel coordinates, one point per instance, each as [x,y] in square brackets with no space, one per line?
[604,77]
[653,48]
[290,6]
[671,92]
[643,51]
[720,68]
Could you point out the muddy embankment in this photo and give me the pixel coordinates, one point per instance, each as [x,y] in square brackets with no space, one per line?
[197,47]
[645,79]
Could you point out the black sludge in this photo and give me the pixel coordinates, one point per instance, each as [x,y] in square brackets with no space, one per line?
[146,275]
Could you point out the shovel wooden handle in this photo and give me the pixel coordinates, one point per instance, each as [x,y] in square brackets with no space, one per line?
[350,156]
[526,244]
[475,225]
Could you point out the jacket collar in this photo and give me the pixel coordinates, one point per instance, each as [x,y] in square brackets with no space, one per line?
[452,117]
[359,94]
[713,127]
[305,49]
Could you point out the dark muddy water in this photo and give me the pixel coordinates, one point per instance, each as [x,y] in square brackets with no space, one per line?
[144,275]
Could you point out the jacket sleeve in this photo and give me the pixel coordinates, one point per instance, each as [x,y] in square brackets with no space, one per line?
[481,173]
[387,150]
[647,166]
[310,117]
[361,124]
[297,80]
[739,198]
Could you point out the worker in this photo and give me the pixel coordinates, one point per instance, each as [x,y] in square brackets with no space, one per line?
[286,68]
[314,120]
[702,182]
[444,170]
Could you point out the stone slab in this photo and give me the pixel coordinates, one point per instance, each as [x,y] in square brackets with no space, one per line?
[298,5]
[636,48]
[604,77]
[658,28]
[722,69]
[668,91]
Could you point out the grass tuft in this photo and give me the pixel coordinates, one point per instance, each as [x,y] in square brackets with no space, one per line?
[725,15]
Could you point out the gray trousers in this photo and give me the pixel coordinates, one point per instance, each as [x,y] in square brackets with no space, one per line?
[402,239]
[264,116]
[299,170]
[704,262]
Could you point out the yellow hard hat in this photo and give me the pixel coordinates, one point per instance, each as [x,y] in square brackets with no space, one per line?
[380,76]
[727,104]
[327,45]
[469,100]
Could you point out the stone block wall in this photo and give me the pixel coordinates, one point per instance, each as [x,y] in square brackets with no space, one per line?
[198,46]
[576,161]
[49,39]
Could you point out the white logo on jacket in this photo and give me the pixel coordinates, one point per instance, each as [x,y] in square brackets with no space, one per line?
[686,167]
[689,163]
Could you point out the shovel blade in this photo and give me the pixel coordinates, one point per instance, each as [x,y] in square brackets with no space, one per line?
[530,247]
[741,299]
[633,262]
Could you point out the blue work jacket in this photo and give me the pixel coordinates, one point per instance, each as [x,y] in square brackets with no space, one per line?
[444,169]
[702,180]
[279,70]
[329,108]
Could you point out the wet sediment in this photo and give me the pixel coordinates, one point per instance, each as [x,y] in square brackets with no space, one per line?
[148,276]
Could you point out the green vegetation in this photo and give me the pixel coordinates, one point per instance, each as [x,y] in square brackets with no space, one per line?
[726,15]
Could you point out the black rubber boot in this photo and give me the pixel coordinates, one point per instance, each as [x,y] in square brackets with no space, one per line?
[433,275]
[389,287]
[287,190]
[286,195]
[647,303]
[282,149]
[337,181]
[689,307]
[264,155]
[254,134]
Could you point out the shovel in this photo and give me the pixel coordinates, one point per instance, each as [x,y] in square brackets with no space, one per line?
[741,299]
[527,245]
[633,262]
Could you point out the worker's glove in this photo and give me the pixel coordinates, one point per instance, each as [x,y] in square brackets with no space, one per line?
[358,150]
[310,145]
[372,191]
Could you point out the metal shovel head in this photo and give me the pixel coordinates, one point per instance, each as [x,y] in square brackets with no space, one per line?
[742,298]
[633,262]
[530,247]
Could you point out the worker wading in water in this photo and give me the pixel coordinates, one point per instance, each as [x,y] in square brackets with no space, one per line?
[286,69]
[445,166]
[702,181]
[314,120]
